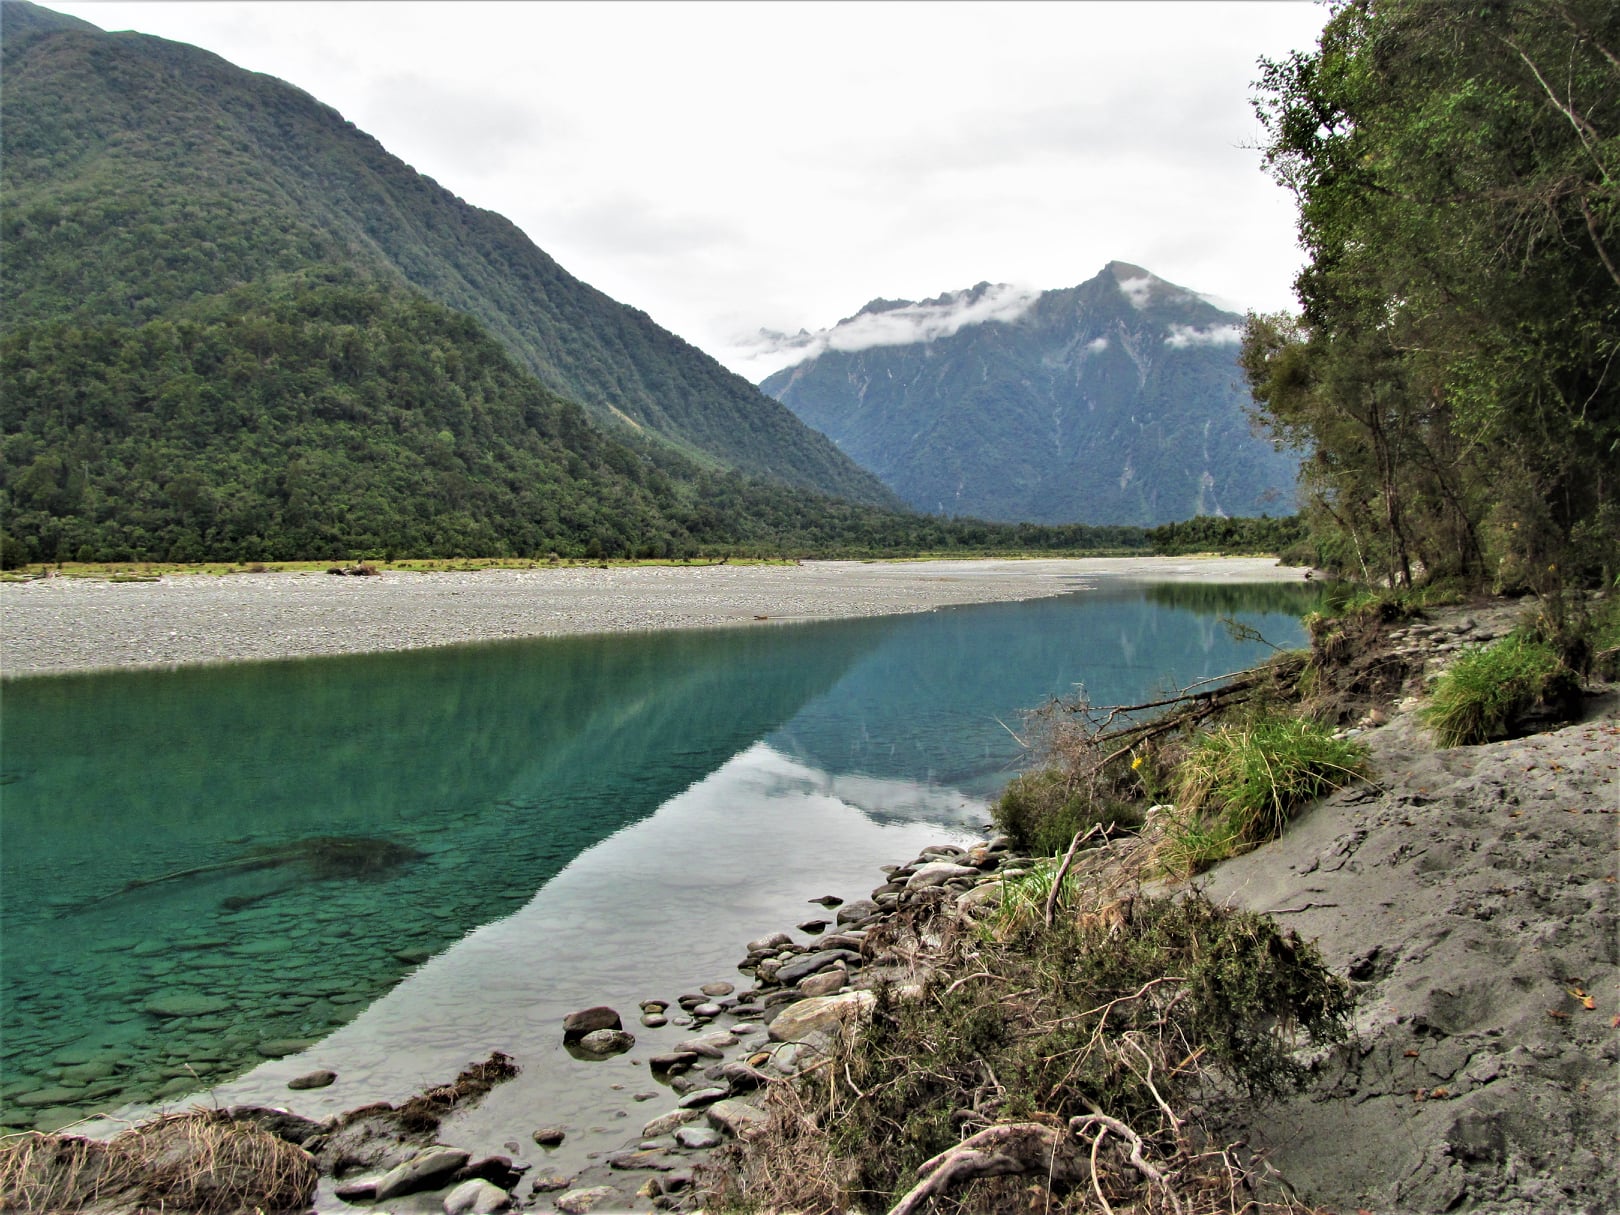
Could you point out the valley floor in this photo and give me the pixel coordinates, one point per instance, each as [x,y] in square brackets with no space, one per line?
[57,625]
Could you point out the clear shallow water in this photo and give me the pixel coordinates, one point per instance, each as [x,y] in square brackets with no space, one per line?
[552,823]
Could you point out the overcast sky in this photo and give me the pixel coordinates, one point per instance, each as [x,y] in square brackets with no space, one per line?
[732,166]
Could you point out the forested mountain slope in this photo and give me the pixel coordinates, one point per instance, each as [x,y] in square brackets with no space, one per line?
[141,174]
[1116,401]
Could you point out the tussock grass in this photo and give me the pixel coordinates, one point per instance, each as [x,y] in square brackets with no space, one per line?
[200,1161]
[1488,687]
[1240,784]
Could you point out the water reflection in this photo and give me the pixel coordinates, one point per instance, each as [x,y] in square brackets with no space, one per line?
[173,910]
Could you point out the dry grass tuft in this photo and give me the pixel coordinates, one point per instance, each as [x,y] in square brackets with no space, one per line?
[201,1162]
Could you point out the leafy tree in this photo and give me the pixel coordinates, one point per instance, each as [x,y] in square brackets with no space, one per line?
[1453,372]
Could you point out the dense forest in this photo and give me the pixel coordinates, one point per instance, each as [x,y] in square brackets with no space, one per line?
[305,417]
[1455,373]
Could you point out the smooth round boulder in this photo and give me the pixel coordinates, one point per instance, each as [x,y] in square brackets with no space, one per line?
[588,1020]
[606,1042]
[319,1079]
[476,1197]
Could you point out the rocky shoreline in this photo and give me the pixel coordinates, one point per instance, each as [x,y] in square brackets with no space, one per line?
[1468,895]
[738,1043]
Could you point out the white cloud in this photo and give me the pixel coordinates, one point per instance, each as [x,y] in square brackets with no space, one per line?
[795,158]
[1183,336]
[885,323]
[1138,290]
[1097,345]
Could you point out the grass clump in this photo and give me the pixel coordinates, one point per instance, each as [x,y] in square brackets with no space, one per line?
[1488,688]
[1240,784]
[202,1161]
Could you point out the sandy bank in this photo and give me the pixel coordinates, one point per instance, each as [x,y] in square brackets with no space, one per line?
[58,625]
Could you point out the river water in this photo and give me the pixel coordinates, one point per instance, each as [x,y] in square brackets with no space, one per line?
[390,865]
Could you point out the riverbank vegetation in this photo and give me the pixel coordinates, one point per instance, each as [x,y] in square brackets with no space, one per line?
[1452,376]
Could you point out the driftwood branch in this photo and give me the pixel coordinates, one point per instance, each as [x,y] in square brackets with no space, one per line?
[1012,1149]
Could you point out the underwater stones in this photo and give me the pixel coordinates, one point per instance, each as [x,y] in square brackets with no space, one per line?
[675,1062]
[317,1079]
[549,1181]
[55,1095]
[588,1020]
[184,1004]
[96,1069]
[550,1136]
[276,1048]
[716,990]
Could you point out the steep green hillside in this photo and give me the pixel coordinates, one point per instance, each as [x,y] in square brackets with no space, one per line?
[310,417]
[139,174]
[1117,401]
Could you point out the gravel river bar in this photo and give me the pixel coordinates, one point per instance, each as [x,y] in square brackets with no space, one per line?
[57,625]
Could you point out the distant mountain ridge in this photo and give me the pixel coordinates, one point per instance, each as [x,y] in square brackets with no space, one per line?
[131,154]
[1118,401]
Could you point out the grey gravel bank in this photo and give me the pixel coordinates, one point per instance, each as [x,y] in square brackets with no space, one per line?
[57,625]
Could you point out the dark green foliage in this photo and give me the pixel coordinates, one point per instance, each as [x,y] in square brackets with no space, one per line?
[140,174]
[1040,1032]
[1452,375]
[1094,404]
[1045,809]
[1217,534]
[314,416]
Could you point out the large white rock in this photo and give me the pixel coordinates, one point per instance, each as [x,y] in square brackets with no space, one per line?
[821,1014]
[476,1197]
[937,873]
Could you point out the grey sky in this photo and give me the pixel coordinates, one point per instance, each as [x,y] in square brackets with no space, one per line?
[732,166]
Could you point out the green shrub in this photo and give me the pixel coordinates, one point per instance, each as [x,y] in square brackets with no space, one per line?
[1042,811]
[1054,1023]
[1489,687]
[1240,784]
